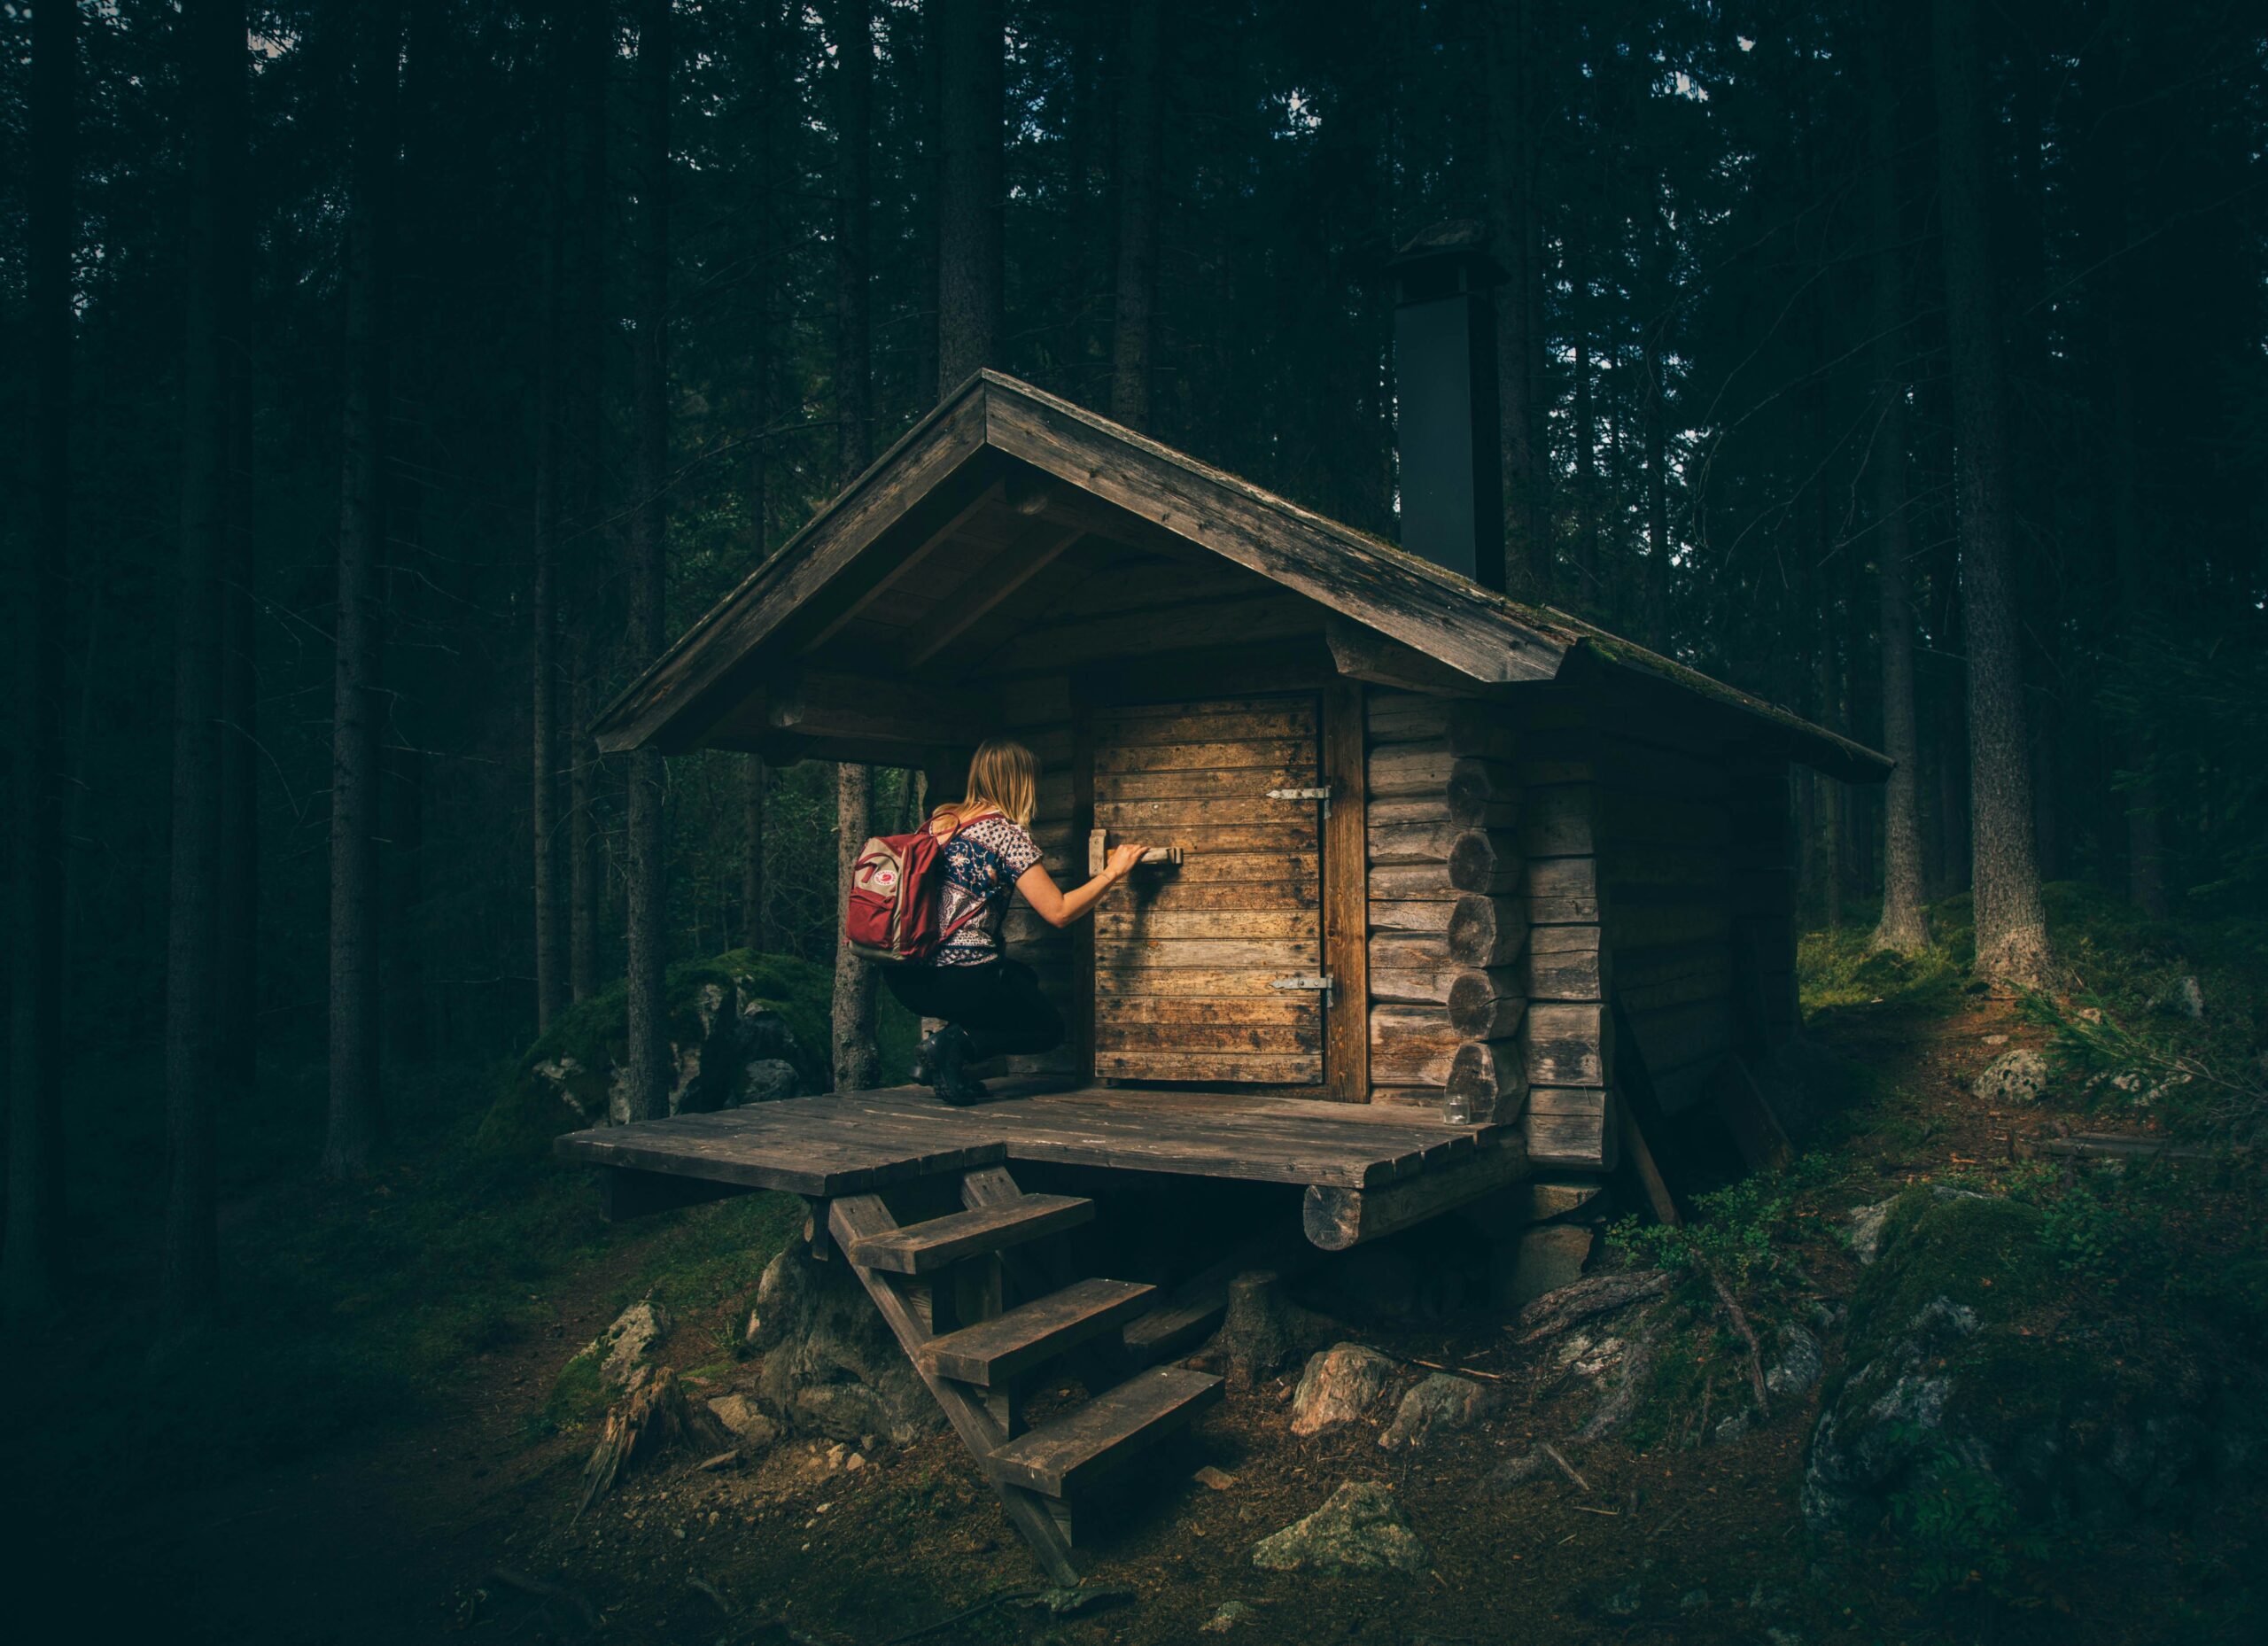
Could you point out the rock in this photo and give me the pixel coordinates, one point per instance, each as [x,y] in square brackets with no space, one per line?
[1693,1600]
[1868,1222]
[1264,1331]
[1625,1602]
[629,1343]
[1228,1616]
[830,1366]
[2018,1076]
[1442,1403]
[1337,1386]
[1800,1365]
[1542,1260]
[768,1080]
[1957,1379]
[1518,1472]
[1215,1479]
[1359,1528]
[749,1425]
[1733,1428]
[2189,999]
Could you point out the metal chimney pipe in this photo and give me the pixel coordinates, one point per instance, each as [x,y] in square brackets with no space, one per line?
[1445,390]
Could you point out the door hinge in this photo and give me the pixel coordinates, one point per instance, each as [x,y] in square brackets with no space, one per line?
[1321,985]
[1322,794]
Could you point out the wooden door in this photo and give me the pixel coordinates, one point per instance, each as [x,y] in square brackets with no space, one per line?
[1188,959]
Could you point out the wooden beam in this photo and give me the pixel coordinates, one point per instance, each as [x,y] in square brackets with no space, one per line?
[1033,552]
[1360,653]
[1346,897]
[1336,1219]
[914,556]
[878,709]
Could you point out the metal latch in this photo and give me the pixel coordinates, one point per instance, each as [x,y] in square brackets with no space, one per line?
[1322,794]
[1321,984]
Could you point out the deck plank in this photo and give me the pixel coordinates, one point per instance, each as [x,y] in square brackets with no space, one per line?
[849,1143]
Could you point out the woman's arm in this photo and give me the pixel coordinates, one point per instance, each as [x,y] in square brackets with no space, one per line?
[1059,907]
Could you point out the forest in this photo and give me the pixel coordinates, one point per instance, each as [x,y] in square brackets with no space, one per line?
[391,383]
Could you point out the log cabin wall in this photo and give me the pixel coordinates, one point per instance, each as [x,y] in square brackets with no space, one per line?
[1447,922]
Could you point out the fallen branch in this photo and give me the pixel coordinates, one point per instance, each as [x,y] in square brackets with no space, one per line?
[1565,1468]
[1747,1334]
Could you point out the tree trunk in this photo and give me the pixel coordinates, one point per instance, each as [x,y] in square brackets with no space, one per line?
[1655,417]
[756,932]
[551,964]
[584,869]
[647,1051]
[973,98]
[583,374]
[1904,928]
[356,1120]
[1589,587]
[858,1064]
[2011,923]
[852,25]
[1511,223]
[1140,127]
[32,1261]
[239,940]
[213,68]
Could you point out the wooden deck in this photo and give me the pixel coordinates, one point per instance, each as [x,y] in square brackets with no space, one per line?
[850,1143]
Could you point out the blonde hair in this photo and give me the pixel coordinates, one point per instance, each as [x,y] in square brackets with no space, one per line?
[1003,775]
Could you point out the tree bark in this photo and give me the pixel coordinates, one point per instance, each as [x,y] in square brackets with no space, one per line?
[2011,921]
[1510,36]
[582,491]
[545,739]
[355,1119]
[852,25]
[755,928]
[32,1259]
[1904,928]
[647,1050]
[858,1064]
[212,67]
[1654,415]
[584,870]
[972,97]
[1140,128]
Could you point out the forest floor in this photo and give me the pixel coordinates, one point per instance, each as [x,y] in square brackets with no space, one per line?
[371,1448]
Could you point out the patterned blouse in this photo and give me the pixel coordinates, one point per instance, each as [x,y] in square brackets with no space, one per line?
[983,863]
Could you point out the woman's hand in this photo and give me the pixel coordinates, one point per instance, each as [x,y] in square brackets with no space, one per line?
[1122,859]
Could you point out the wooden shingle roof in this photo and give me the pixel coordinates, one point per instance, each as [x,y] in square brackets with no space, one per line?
[1479,633]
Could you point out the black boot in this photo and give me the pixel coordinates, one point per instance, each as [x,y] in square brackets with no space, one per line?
[948,1064]
[925,1059]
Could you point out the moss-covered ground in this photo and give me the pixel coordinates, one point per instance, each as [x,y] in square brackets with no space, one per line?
[387,1414]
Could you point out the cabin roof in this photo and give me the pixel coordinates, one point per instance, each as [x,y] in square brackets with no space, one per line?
[909,495]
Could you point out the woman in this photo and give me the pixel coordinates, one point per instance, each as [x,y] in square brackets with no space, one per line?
[991,1004]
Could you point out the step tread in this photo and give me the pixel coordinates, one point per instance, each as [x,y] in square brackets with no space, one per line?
[924,1248]
[1060,1456]
[990,1352]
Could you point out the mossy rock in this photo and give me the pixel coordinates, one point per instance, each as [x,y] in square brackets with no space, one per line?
[1970,1349]
[563,1080]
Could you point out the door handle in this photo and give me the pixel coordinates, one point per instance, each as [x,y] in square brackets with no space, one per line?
[1098,852]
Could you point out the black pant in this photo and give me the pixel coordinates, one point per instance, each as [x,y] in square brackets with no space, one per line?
[999,1003]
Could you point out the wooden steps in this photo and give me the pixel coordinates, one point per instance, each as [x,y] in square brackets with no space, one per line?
[975,1367]
[1060,1458]
[993,1352]
[925,1247]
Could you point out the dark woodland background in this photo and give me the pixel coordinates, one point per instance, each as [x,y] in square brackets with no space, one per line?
[390,381]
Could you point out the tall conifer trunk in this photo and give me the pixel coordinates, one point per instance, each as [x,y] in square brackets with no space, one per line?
[1141,105]
[2011,921]
[355,1119]
[545,732]
[33,1257]
[1903,926]
[1510,38]
[972,96]
[212,37]
[647,1051]
[857,1060]
[582,383]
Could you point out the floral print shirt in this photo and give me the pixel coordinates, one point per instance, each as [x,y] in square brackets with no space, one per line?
[983,864]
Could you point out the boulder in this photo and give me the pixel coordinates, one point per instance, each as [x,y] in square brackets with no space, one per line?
[747,1423]
[1441,1404]
[1964,1366]
[1359,1528]
[2018,1076]
[767,1080]
[830,1366]
[1339,1385]
[1798,1366]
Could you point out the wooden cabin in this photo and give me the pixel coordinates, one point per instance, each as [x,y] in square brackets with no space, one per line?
[1447,880]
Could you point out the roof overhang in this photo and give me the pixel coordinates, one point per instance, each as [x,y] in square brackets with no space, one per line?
[994,428]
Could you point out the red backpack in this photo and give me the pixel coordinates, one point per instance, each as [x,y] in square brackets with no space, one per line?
[893,909]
